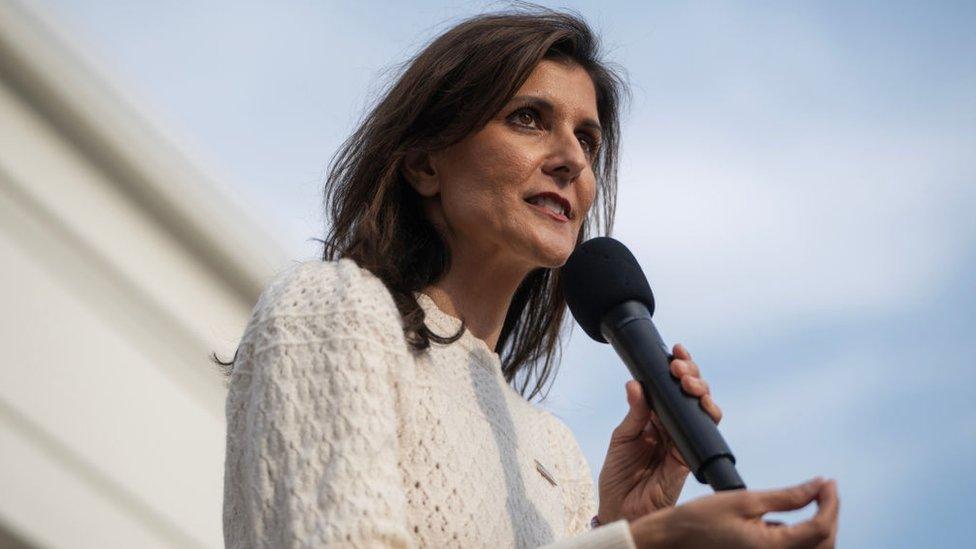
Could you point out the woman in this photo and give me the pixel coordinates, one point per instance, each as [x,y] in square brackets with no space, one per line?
[371,400]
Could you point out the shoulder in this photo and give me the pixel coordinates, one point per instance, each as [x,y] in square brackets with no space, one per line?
[336,295]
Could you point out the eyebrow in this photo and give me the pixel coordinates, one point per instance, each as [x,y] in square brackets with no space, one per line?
[546,104]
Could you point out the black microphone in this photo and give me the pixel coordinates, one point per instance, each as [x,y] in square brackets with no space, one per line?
[609,296]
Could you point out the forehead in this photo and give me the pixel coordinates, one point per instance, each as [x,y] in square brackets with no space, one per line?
[567,85]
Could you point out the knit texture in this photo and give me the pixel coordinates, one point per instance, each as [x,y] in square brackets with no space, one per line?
[338,434]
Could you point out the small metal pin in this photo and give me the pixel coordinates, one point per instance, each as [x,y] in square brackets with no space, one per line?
[545,474]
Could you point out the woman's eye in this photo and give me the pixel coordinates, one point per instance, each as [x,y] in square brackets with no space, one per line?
[589,145]
[524,117]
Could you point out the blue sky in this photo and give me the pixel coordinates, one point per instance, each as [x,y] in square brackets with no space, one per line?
[798,181]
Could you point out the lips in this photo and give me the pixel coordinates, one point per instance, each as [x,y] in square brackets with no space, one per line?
[547,199]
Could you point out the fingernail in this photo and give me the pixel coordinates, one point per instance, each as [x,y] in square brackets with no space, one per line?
[811,485]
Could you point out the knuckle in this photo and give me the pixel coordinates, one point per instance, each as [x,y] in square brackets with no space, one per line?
[750,502]
[797,495]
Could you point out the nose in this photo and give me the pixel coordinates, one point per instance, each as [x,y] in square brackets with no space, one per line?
[567,158]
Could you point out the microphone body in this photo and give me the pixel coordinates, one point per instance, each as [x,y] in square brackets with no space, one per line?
[629,329]
[609,296]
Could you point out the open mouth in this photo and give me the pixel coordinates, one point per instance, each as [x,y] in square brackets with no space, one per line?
[552,205]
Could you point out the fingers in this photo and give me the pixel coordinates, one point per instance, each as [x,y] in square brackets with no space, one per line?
[783,499]
[679,351]
[713,410]
[638,414]
[699,387]
[821,527]
[695,386]
[685,369]
[681,367]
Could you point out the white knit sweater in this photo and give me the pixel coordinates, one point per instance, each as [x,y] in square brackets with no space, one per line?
[339,434]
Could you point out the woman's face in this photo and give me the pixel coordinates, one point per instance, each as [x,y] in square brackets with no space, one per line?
[486,188]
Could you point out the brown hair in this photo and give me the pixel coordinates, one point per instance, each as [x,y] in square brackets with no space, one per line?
[449,90]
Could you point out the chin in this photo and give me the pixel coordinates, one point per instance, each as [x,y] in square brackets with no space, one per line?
[553,258]
[548,250]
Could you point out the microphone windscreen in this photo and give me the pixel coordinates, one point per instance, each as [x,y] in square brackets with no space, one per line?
[600,274]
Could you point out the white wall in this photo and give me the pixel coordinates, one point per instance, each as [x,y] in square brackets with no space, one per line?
[121,269]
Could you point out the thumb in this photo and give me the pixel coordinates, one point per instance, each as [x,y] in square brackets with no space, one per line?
[785,499]
[638,414]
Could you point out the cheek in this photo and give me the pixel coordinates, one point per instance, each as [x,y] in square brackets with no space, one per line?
[486,178]
[503,162]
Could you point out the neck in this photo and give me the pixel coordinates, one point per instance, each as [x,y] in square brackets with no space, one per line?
[478,292]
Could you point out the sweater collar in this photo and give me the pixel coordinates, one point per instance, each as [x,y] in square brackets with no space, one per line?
[446,325]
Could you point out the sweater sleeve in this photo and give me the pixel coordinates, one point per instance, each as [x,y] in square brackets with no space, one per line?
[312,457]
[580,503]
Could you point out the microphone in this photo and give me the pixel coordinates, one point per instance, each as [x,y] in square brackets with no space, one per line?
[609,296]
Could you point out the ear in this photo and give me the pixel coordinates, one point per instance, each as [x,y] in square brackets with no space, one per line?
[419,170]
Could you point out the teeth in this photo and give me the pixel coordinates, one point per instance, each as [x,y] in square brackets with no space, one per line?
[549,203]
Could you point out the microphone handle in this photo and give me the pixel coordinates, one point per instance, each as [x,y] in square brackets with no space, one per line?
[629,329]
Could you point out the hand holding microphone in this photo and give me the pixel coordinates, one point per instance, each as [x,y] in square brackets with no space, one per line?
[643,471]
[609,296]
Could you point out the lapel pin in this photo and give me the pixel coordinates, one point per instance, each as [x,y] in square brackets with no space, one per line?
[545,474]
